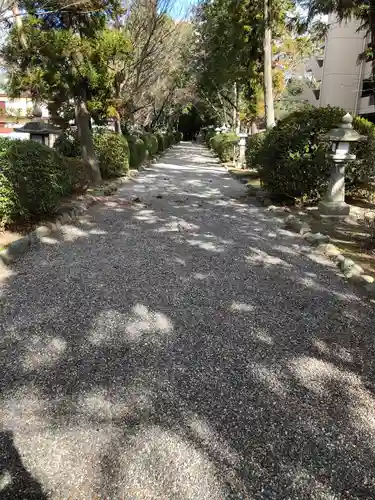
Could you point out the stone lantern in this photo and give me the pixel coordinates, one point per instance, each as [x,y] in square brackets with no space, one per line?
[39,130]
[241,149]
[333,204]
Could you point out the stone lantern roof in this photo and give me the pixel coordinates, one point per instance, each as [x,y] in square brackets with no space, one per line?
[344,132]
[37,126]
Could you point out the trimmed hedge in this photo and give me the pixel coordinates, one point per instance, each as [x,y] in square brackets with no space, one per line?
[137,149]
[79,172]
[170,138]
[292,159]
[113,154]
[33,178]
[161,141]
[112,151]
[253,147]
[223,145]
[363,169]
[208,135]
[151,143]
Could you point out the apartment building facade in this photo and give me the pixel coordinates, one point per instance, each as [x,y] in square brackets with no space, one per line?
[338,78]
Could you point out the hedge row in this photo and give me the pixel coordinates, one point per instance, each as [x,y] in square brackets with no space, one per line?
[292,157]
[34,177]
[116,152]
[147,145]
[223,145]
[111,149]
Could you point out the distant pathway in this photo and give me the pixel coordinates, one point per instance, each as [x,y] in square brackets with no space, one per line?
[188,348]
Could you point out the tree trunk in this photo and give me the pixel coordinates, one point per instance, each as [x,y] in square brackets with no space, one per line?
[372,35]
[234,116]
[117,124]
[235,120]
[237,103]
[19,25]
[267,73]
[82,117]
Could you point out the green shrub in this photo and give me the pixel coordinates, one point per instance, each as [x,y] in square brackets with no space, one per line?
[254,145]
[111,149]
[293,156]
[67,144]
[113,154]
[79,172]
[137,149]
[161,141]
[166,139]
[33,178]
[361,171]
[169,138]
[209,134]
[178,136]
[223,145]
[151,143]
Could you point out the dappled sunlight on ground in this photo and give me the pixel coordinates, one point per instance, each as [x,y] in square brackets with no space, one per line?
[184,346]
[141,325]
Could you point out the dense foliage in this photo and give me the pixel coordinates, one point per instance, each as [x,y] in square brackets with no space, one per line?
[33,178]
[229,57]
[137,150]
[113,154]
[151,143]
[161,142]
[253,147]
[67,144]
[112,151]
[79,174]
[91,62]
[208,135]
[223,145]
[292,159]
[178,136]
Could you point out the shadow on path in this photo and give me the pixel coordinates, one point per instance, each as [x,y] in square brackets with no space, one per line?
[16,483]
[187,348]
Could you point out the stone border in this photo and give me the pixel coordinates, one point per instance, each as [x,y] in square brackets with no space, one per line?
[351,271]
[67,213]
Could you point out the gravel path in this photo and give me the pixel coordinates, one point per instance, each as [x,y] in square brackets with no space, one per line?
[188,349]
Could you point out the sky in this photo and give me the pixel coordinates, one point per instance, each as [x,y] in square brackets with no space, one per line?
[180,8]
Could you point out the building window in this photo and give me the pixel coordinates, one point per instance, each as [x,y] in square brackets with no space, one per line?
[368,87]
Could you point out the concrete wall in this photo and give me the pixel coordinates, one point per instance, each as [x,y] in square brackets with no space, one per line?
[342,75]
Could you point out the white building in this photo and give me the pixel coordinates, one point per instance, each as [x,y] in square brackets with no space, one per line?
[21,106]
[14,113]
[341,79]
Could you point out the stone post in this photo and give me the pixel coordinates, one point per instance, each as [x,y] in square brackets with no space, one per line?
[241,149]
[333,204]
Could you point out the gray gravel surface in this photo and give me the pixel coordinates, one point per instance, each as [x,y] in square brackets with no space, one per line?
[183,348]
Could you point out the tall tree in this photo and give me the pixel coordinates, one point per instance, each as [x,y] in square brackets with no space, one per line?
[236,44]
[62,62]
[269,108]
